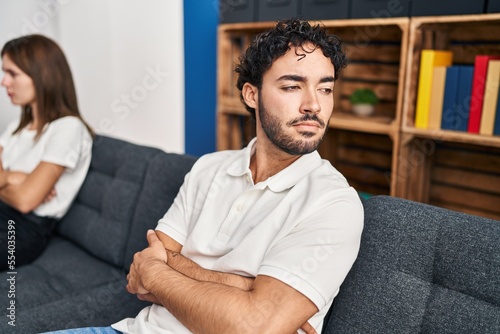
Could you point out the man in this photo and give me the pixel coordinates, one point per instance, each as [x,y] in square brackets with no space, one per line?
[258,240]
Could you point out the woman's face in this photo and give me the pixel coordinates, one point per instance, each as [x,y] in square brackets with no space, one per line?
[19,85]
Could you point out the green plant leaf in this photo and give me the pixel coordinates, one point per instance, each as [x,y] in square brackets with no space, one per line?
[364,96]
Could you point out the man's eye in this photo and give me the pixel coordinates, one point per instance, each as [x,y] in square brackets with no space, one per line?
[326,90]
[290,88]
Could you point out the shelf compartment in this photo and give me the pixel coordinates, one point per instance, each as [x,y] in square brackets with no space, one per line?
[465,35]
[466,178]
[454,175]
[364,159]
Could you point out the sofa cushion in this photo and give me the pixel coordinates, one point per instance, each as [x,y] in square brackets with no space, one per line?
[67,287]
[165,176]
[126,184]
[421,269]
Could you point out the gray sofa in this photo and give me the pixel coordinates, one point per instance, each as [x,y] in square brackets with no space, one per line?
[421,269]
[79,280]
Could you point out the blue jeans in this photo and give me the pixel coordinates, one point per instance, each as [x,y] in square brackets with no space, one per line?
[88,330]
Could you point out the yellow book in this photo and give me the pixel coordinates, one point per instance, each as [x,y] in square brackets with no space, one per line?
[429,59]
[490,98]
[437,96]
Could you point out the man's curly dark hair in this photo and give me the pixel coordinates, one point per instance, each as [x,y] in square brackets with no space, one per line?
[273,44]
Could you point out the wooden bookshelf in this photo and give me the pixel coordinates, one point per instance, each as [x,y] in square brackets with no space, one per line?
[384,153]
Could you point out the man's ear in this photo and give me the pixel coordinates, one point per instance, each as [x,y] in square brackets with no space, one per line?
[250,95]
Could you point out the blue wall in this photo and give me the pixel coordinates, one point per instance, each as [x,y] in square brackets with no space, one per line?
[200,44]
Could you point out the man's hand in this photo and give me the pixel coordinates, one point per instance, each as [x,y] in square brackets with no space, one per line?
[52,193]
[146,262]
[308,329]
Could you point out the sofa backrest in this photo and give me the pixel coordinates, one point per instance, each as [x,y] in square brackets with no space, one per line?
[127,189]
[421,269]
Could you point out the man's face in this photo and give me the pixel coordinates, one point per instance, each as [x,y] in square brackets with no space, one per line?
[296,100]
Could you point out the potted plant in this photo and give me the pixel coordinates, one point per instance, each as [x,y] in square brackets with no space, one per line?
[363,101]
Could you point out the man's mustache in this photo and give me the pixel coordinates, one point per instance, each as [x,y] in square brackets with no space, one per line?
[307,118]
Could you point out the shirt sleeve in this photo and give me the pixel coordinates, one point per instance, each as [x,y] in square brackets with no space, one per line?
[65,138]
[175,221]
[179,219]
[315,257]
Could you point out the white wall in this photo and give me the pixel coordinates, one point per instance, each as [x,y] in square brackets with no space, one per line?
[127,62]
[19,18]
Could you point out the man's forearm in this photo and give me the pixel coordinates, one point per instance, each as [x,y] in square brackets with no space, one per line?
[269,306]
[191,269]
[186,308]
[206,307]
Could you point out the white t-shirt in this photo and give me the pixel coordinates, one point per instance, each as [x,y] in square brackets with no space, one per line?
[65,142]
[301,226]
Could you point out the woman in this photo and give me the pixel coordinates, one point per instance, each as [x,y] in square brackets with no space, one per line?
[45,155]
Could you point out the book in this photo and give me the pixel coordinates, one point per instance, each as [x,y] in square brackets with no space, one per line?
[449,98]
[477,95]
[490,98]
[496,127]
[429,59]
[462,106]
[437,96]
[456,99]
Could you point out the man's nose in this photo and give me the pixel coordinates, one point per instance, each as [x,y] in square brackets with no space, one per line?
[310,103]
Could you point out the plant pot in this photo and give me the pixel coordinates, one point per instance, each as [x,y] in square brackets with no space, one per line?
[363,109]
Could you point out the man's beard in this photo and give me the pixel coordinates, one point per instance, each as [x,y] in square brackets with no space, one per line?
[272,126]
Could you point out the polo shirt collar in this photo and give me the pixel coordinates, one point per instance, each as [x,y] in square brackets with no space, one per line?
[286,178]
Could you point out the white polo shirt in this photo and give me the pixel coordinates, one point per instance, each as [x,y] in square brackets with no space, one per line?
[65,142]
[301,226]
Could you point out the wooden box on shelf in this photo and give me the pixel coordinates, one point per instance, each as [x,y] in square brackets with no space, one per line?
[365,159]
[453,169]
[377,51]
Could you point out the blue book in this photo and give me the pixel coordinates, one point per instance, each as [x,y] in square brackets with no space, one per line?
[457,95]
[464,93]
[450,97]
[496,127]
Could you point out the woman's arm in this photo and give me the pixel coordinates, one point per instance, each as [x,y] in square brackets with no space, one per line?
[26,195]
[3,175]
